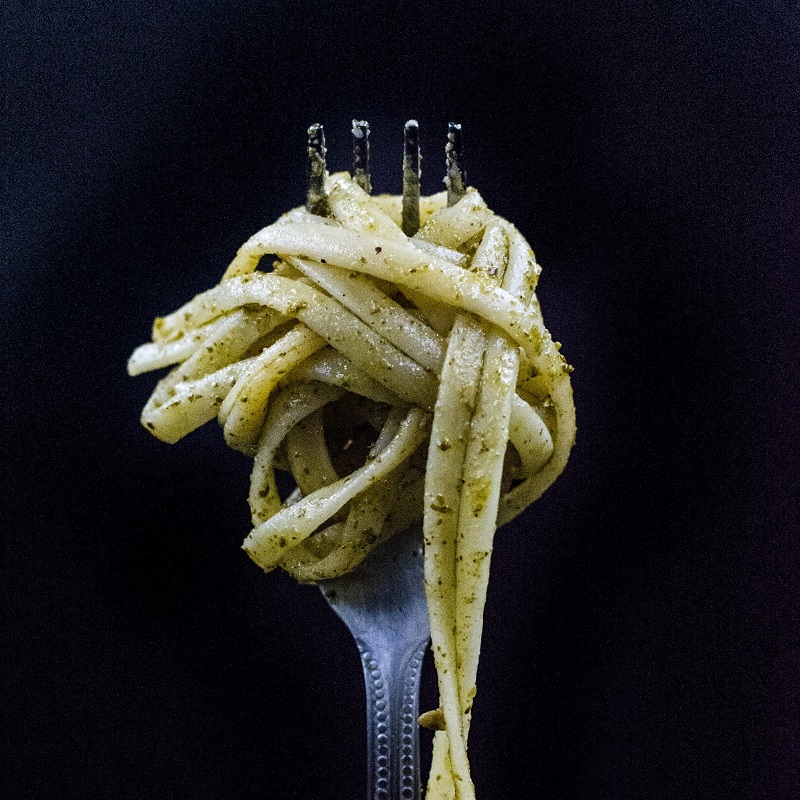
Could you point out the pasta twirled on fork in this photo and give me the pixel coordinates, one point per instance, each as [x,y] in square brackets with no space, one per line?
[389,374]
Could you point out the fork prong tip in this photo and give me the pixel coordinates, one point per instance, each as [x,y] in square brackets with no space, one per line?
[411,176]
[316,201]
[361,176]
[455,176]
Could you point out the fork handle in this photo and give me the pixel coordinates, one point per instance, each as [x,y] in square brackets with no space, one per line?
[392,679]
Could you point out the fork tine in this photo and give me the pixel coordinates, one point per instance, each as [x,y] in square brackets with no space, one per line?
[411,175]
[361,154]
[455,178]
[316,202]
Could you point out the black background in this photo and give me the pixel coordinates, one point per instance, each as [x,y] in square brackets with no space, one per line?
[641,637]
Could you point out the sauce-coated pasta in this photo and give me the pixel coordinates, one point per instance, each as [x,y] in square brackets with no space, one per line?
[388,374]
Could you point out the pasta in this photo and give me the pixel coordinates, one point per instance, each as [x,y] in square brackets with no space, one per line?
[389,375]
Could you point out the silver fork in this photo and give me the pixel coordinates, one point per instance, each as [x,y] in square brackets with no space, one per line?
[382,601]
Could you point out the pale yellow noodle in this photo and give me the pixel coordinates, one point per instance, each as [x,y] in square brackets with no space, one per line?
[292,405]
[308,456]
[471,519]
[294,523]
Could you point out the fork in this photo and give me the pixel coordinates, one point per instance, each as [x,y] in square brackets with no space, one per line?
[382,601]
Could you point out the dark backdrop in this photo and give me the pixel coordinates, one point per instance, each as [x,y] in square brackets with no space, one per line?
[641,639]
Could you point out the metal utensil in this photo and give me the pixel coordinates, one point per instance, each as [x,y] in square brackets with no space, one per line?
[382,602]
